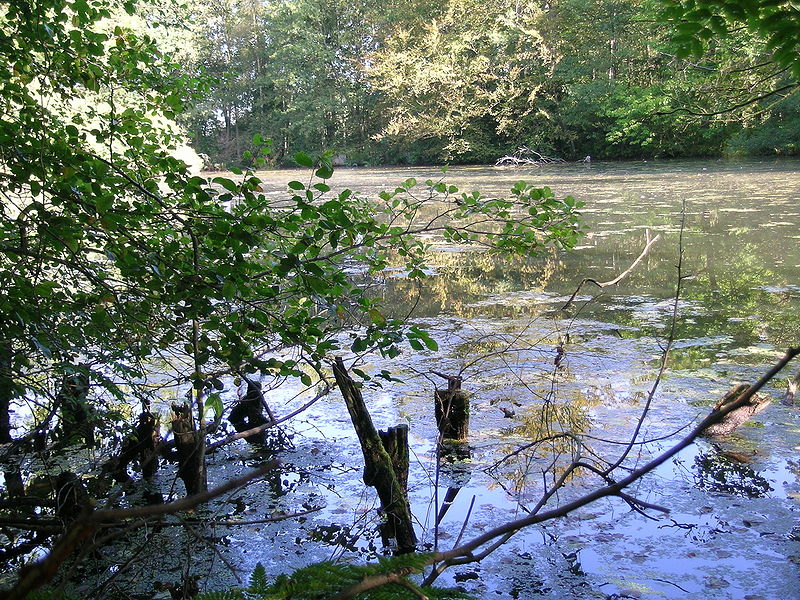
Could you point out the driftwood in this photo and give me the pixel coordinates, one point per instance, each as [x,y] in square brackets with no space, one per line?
[618,278]
[379,470]
[525,157]
[737,417]
[190,449]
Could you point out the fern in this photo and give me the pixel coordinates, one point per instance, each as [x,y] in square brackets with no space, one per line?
[323,580]
[258,580]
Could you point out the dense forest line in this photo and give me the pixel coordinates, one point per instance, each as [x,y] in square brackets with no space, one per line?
[468,81]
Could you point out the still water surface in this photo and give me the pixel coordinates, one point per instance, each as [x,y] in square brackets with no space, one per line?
[733,531]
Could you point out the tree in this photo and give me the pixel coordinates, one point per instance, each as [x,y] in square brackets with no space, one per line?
[290,70]
[115,255]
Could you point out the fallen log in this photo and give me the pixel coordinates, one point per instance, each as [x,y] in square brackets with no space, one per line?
[738,416]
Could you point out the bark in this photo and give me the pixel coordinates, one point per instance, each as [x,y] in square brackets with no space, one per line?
[189,447]
[379,471]
[452,410]
[737,417]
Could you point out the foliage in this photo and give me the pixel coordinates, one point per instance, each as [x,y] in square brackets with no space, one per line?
[700,22]
[325,580]
[778,133]
[472,80]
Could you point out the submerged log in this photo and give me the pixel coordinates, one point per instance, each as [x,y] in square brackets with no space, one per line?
[737,417]
[190,448]
[452,410]
[379,470]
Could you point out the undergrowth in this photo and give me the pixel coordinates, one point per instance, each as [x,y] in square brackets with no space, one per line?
[325,580]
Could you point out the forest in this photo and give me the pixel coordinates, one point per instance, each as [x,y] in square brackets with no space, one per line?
[471,81]
[196,358]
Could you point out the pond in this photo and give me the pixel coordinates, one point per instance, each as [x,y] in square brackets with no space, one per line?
[733,529]
[532,368]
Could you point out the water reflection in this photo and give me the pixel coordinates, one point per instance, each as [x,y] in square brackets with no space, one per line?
[729,473]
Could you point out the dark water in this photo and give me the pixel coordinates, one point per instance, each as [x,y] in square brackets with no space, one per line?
[734,528]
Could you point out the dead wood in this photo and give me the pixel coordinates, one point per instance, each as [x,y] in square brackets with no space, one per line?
[379,471]
[741,414]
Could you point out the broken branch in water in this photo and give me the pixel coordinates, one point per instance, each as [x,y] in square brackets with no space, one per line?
[617,279]
[41,572]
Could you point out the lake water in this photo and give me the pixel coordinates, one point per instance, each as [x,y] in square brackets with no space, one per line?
[733,531]
[535,369]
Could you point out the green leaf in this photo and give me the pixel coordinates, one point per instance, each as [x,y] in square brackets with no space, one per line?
[226,183]
[304,160]
[214,401]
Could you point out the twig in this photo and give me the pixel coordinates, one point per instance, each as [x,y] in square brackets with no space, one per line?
[617,279]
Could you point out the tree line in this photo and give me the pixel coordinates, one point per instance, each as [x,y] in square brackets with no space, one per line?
[468,81]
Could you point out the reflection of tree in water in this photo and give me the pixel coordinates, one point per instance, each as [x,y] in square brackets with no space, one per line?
[552,428]
[722,472]
[462,278]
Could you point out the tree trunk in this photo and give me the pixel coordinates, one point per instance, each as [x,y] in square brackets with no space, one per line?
[189,446]
[6,391]
[379,471]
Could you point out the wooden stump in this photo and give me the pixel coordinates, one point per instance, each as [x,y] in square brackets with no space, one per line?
[247,414]
[190,447]
[379,470]
[452,410]
[76,417]
[144,445]
[72,499]
[738,416]
[790,397]
[395,442]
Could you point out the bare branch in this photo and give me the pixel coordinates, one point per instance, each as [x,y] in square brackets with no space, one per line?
[617,279]
[38,574]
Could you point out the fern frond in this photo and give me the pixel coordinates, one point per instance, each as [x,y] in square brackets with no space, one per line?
[258,580]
